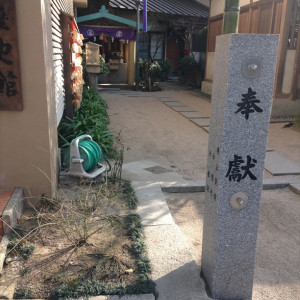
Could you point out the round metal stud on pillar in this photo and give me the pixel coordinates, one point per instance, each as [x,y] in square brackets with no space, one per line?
[137,65]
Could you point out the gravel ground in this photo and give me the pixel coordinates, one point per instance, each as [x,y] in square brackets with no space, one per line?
[152,131]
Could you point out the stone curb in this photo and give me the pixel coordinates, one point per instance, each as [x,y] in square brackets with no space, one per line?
[295,187]
[199,185]
[126,297]
[3,249]
[13,210]
[183,187]
[10,217]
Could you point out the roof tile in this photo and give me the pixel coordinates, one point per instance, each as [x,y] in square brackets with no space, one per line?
[174,7]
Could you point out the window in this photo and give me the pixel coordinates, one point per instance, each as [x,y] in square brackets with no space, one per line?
[196,43]
[157,46]
[143,44]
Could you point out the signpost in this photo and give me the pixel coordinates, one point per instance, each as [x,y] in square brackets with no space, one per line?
[10,76]
[241,104]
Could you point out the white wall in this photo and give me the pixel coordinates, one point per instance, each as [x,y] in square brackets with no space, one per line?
[216,7]
[244,2]
[28,147]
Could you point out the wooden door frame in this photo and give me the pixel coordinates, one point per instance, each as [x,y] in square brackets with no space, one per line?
[67,61]
[296,70]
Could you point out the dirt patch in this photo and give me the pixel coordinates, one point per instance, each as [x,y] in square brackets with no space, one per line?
[187,210]
[84,245]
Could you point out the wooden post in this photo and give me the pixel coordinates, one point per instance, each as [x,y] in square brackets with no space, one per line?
[131,63]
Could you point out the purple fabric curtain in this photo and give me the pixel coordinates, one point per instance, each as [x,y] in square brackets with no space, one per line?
[119,33]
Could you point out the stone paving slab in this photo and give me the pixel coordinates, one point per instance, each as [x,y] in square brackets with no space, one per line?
[134,95]
[152,208]
[278,183]
[193,186]
[165,100]
[175,273]
[174,270]
[295,187]
[183,109]
[175,104]
[136,170]
[9,281]
[3,248]
[206,128]
[195,114]
[102,89]
[202,122]
[279,164]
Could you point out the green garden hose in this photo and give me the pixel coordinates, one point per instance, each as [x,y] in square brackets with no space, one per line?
[92,154]
[89,151]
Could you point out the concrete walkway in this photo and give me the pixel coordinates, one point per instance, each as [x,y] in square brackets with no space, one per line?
[166,140]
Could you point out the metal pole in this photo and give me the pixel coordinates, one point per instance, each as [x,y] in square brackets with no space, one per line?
[137,65]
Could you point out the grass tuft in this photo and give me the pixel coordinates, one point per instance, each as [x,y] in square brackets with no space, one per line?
[23,294]
[17,246]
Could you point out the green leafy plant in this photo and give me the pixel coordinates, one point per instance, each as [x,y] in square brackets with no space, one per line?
[129,194]
[166,69]
[186,60]
[150,72]
[91,118]
[144,284]
[104,69]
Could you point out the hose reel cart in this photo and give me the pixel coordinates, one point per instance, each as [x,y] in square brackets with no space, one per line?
[83,158]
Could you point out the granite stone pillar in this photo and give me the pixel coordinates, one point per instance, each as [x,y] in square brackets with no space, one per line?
[240,112]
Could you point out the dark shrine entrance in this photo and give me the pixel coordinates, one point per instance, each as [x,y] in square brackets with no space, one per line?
[175,50]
